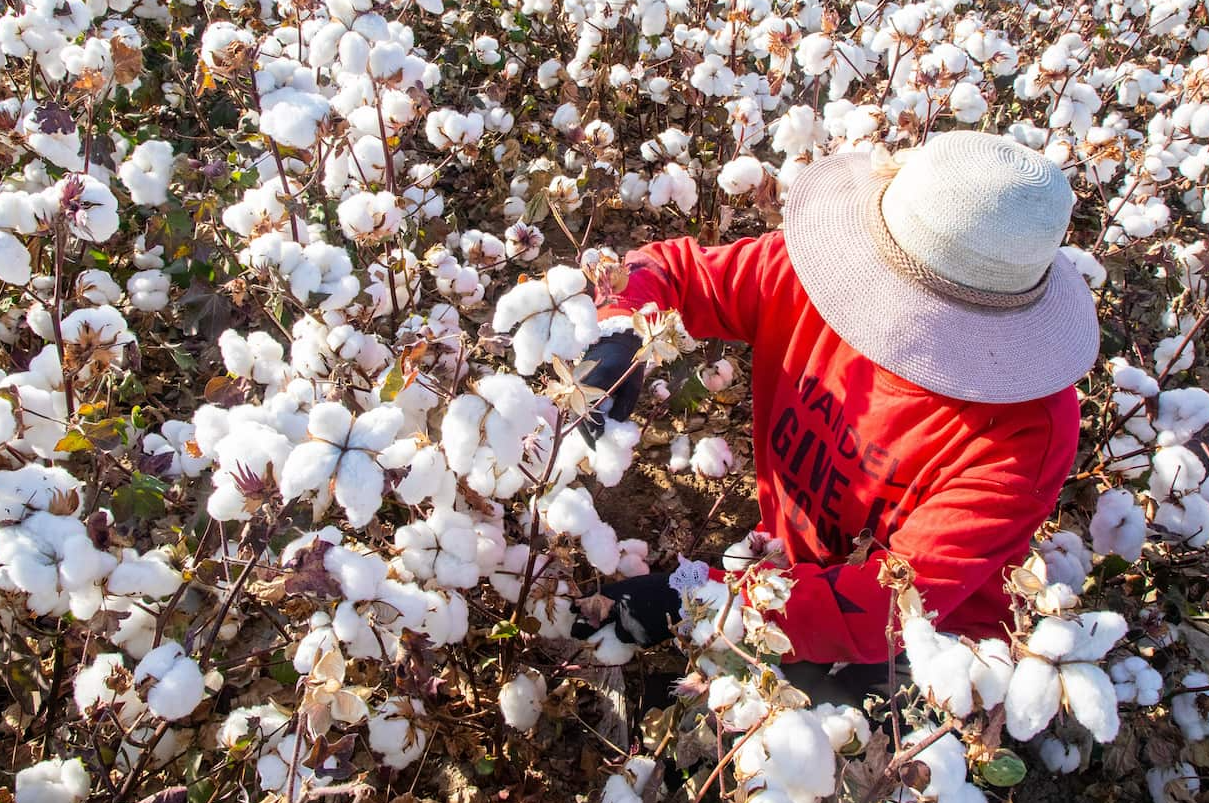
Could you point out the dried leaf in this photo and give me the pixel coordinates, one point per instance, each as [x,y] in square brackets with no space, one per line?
[595,609]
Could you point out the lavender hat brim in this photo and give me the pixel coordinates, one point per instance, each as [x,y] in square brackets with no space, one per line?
[950,347]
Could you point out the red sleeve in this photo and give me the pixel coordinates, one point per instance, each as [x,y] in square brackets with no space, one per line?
[716,290]
[959,540]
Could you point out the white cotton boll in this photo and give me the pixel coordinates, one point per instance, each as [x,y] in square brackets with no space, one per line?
[148,290]
[94,285]
[608,649]
[14,260]
[1087,265]
[1056,598]
[940,665]
[147,172]
[1183,413]
[252,726]
[1136,681]
[8,422]
[1125,455]
[1175,471]
[633,561]
[792,755]
[717,376]
[1183,777]
[1165,359]
[946,758]
[1087,637]
[1067,559]
[1090,696]
[291,117]
[53,781]
[97,685]
[448,618]
[90,209]
[673,184]
[1187,708]
[521,699]
[147,575]
[358,574]
[846,727]
[740,175]
[1058,756]
[393,733]
[178,685]
[712,457]
[681,449]
[967,103]
[1118,526]
[1033,697]
[614,451]
[991,672]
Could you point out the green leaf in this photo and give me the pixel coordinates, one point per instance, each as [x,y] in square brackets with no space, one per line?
[143,498]
[131,388]
[485,765]
[282,671]
[1113,565]
[1005,769]
[689,396]
[107,434]
[504,630]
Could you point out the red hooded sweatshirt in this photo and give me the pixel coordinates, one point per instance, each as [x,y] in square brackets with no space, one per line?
[843,446]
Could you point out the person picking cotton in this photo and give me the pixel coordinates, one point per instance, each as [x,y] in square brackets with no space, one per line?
[916,334]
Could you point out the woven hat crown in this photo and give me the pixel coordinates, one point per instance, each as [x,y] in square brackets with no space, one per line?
[979,210]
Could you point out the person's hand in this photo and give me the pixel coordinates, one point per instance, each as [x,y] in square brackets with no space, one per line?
[613,355]
[641,609]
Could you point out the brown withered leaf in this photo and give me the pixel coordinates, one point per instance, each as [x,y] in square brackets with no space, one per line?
[225,391]
[915,775]
[307,574]
[862,545]
[860,777]
[1121,754]
[127,61]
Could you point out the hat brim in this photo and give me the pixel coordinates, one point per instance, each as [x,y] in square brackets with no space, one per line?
[953,348]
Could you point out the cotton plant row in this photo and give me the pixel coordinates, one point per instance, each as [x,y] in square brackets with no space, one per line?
[390,453]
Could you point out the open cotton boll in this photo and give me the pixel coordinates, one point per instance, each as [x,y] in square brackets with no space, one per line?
[1058,756]
[738,704]
[1033,697]
[673,184]
[554,318]
[148,290]
[1136,681]
[1135,380]
[614,451]
[1087,637]
[94,285]
[521,699]
[144,575]
[1175,471]
[946,758]
[846,727]
[740,175]
[253,727]
[712,457]
[610,650]
[1091,699]
[393,733]
[1184,520]
[1067,559]
[572,511]
[1166,359]
[633,561]
[88,206]
[53,561]
[1183,412]
[53,781]
[1126,455]
[708,601]
[1118,526]
[107,683]
[147,171]
[682,448]
[177,685]
[629,786]
[292,117]
[717,375]
[1187,709]
[14,260]
[791,754]
[1183,778]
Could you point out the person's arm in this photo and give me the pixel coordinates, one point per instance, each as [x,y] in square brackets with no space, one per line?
[959,538]
[716,290]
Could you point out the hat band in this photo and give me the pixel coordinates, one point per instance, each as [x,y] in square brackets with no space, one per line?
[908,266]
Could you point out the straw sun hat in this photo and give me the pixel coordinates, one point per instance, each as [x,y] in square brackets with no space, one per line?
[948,274]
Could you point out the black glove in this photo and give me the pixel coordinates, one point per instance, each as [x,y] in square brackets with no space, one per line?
[642,608]
[613,355]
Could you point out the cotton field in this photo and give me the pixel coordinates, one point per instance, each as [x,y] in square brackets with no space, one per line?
[297,496]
